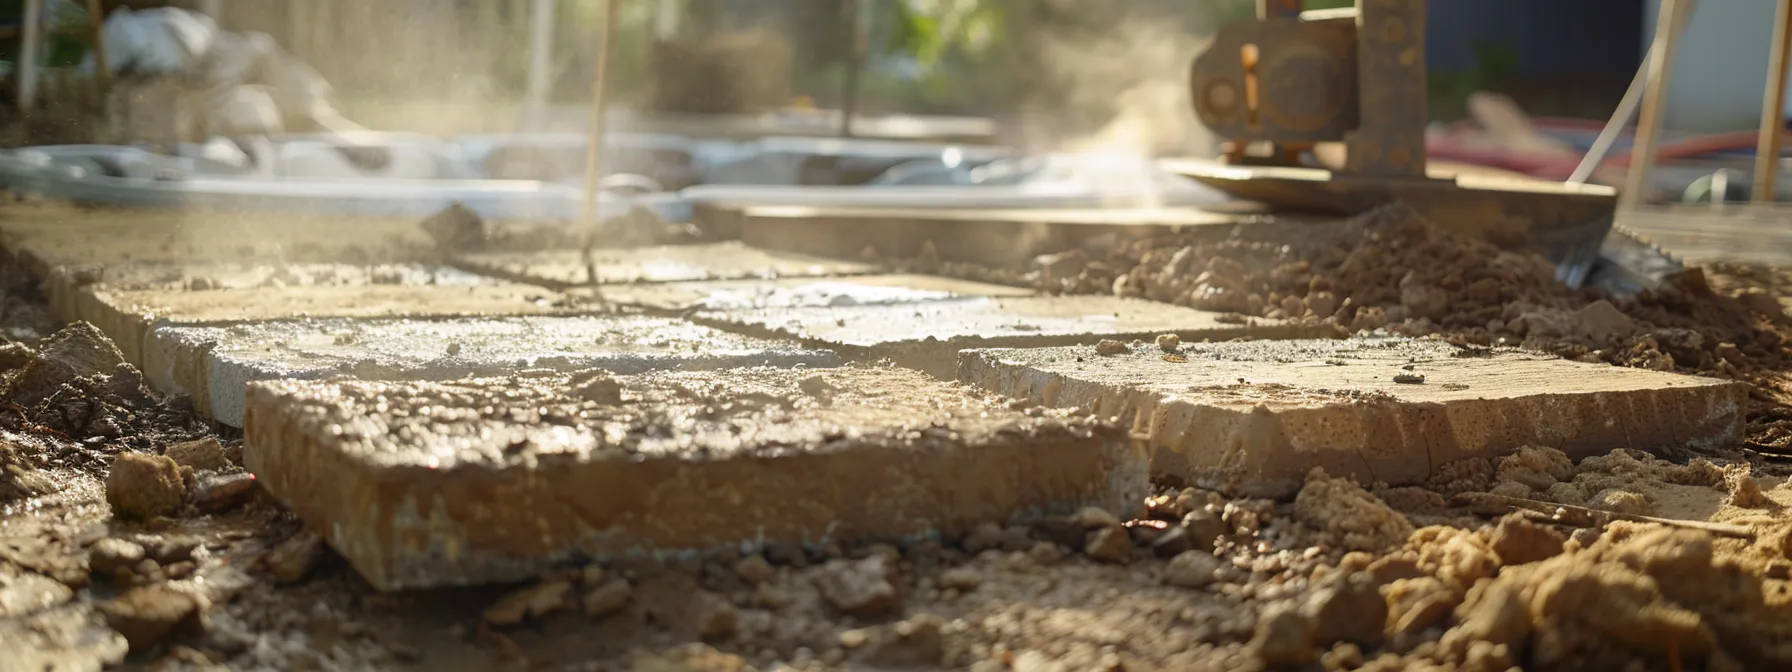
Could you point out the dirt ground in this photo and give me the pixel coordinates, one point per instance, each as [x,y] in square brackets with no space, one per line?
[127,525]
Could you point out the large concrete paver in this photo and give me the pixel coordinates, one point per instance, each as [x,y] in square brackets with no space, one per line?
[214,364]
[665,263]
[47,236]
[125,301]
[796,292]
[928,336]
[421,484]
[1254,417]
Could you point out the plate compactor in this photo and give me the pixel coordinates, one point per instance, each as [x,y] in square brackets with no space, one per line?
[1275,87]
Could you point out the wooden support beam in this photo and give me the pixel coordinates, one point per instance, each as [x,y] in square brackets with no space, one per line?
[1668,23]
[1773,115]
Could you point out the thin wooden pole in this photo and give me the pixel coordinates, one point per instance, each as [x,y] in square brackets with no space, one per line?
[28,47]
[1773,114]
[96,20]
[594,152]
[1648,128]
[855,61]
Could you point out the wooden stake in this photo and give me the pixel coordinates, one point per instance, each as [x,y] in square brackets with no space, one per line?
[1648,128]
[594,152]
[28,48]
[1773,115]
[96,20]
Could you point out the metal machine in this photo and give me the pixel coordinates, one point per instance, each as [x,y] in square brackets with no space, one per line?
[1276,87]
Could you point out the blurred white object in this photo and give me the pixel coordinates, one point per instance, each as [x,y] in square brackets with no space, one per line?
[250,85]
[165,41]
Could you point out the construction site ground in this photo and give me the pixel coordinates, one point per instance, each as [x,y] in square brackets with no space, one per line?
[278,442]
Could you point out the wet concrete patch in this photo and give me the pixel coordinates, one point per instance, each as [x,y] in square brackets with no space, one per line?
[928,336]
[214,363]
[421,484]
[797,292]
[1254,417]
[665,263]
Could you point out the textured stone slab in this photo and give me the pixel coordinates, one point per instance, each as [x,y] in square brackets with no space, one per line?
[422,484]
[46,236]
[215,363]
[665,263]
[125,300]
[799,292]
[928,336]
[1254,417]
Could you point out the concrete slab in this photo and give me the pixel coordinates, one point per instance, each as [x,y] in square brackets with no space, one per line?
[45,236]
[928,336]
[993,236]
[421,484]
[666,263]
[214,363]
[798,292]
[1253,417]
[125,300]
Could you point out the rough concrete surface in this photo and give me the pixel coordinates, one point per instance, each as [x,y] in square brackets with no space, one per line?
[928,336]
[489,480]
[65,285]
[798,292]
[46,236]
[1255,417]
[127,314]
[214,363]
[666,263]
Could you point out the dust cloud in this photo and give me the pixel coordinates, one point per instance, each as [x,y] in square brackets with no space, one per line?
[1118,91]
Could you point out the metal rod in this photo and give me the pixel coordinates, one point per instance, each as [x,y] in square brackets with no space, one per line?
[28,47]
[594,152]
[1648,132]
[1773,114]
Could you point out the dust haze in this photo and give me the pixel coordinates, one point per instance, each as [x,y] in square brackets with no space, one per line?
[1122,91]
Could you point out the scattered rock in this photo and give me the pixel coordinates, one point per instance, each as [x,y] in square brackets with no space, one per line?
[531,602]
[1109,347]
[20,477]
[1518,540]
[1282,637]
[1204,528]
[149,616]
[754,569]
[109,556]
[1745,492]
[70,637]
[962,579]
[1169,342]
[1193,570]
[1347,610]
[1093,518]
[202,455]
[222,492]
[79,350]
[713,616]
[859,587]
[1109,544]
[1601,321]
[983,537]
[29,593]
[144,486]
[918,642]
[608,598]
[1537,467]
[1621,501]
[1354,519]
[294,559]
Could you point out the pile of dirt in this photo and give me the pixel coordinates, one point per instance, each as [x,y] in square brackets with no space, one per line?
[76,388]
